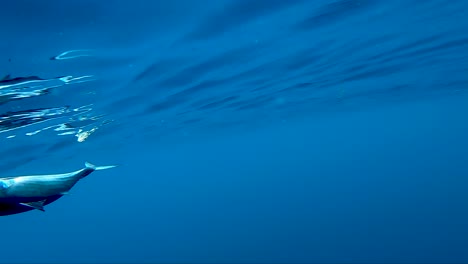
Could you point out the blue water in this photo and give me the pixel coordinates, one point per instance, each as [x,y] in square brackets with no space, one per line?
[244,130]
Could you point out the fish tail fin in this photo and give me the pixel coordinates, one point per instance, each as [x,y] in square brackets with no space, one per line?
[94,167]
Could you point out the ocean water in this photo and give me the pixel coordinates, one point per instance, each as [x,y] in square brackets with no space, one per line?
[243,130]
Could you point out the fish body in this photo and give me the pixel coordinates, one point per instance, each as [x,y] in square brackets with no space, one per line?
[24,193]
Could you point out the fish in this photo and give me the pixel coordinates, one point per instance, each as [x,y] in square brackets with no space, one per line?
[20,194]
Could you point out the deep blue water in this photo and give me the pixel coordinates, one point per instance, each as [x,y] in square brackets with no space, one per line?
[244,130]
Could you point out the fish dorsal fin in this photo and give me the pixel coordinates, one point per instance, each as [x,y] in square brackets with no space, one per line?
[5,78]
[39,205]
